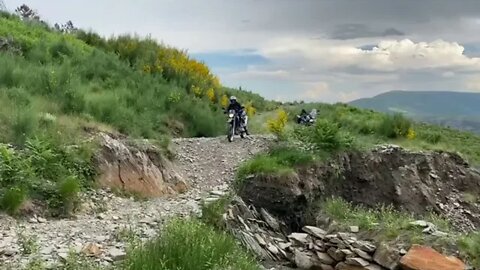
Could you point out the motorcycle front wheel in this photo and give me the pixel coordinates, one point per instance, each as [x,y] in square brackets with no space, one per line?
[230,134]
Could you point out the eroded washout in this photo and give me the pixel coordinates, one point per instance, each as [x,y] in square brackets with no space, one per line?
[416,182]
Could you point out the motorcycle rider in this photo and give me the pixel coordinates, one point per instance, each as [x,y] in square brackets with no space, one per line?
[238,108]
[234,105]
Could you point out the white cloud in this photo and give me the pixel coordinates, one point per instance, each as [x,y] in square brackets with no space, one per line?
[448,74]
[315,91]
[473,83]
[321,91]
[387,56]
[254,73]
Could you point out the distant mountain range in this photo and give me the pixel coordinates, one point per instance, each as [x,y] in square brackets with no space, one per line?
[459,110]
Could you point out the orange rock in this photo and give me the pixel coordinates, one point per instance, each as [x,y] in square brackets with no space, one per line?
[426,258]
[92,250]
[136,170]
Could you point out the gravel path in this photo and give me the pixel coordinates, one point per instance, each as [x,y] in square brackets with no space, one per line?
[208,164]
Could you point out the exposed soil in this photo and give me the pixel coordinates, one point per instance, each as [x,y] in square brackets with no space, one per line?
[413,181]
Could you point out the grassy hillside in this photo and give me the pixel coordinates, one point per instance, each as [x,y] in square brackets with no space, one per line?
[367,128]
[137,86]
[454,109]
[55,88]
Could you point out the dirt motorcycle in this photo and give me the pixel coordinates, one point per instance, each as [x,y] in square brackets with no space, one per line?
[307,119]
[235,126]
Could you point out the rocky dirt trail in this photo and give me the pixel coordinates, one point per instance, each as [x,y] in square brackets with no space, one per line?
[106,220]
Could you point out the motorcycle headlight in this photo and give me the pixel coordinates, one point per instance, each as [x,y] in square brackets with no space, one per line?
[230,115]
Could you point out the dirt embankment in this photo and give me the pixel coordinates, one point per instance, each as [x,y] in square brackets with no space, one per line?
[417,182]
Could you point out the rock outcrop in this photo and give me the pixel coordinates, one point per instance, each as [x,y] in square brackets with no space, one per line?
[136,169]
[417,182]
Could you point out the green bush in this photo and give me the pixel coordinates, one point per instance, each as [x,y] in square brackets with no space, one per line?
[68,189]
[325,136]
[46,171]
[190,245]
[12,199]
[25,124]
[14,169]
[394,126]
[429,136]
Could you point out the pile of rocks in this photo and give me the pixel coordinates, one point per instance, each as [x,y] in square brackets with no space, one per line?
[260,232]
[315,248]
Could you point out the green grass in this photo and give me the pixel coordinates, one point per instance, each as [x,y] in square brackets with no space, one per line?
[291,157]
[190,245]
[212,213]
[469,246]
[281,160]
[368,128]
[262,164]
[383,222]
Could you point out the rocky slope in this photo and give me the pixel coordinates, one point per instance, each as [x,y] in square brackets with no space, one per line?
[206,165]
[315,248]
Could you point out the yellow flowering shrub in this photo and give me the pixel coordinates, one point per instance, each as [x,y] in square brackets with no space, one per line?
[277,125]
[224,102]
[250,109]
[211,95]
[172,64]
[411,135]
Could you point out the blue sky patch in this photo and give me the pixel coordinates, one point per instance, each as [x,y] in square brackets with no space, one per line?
[231,59]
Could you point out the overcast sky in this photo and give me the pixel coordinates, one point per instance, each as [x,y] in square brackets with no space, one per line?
[317,50]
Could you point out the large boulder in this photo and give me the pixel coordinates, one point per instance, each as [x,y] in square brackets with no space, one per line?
[137,168]
[417,182]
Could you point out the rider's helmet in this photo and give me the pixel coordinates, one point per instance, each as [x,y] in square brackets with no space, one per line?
[233,99]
